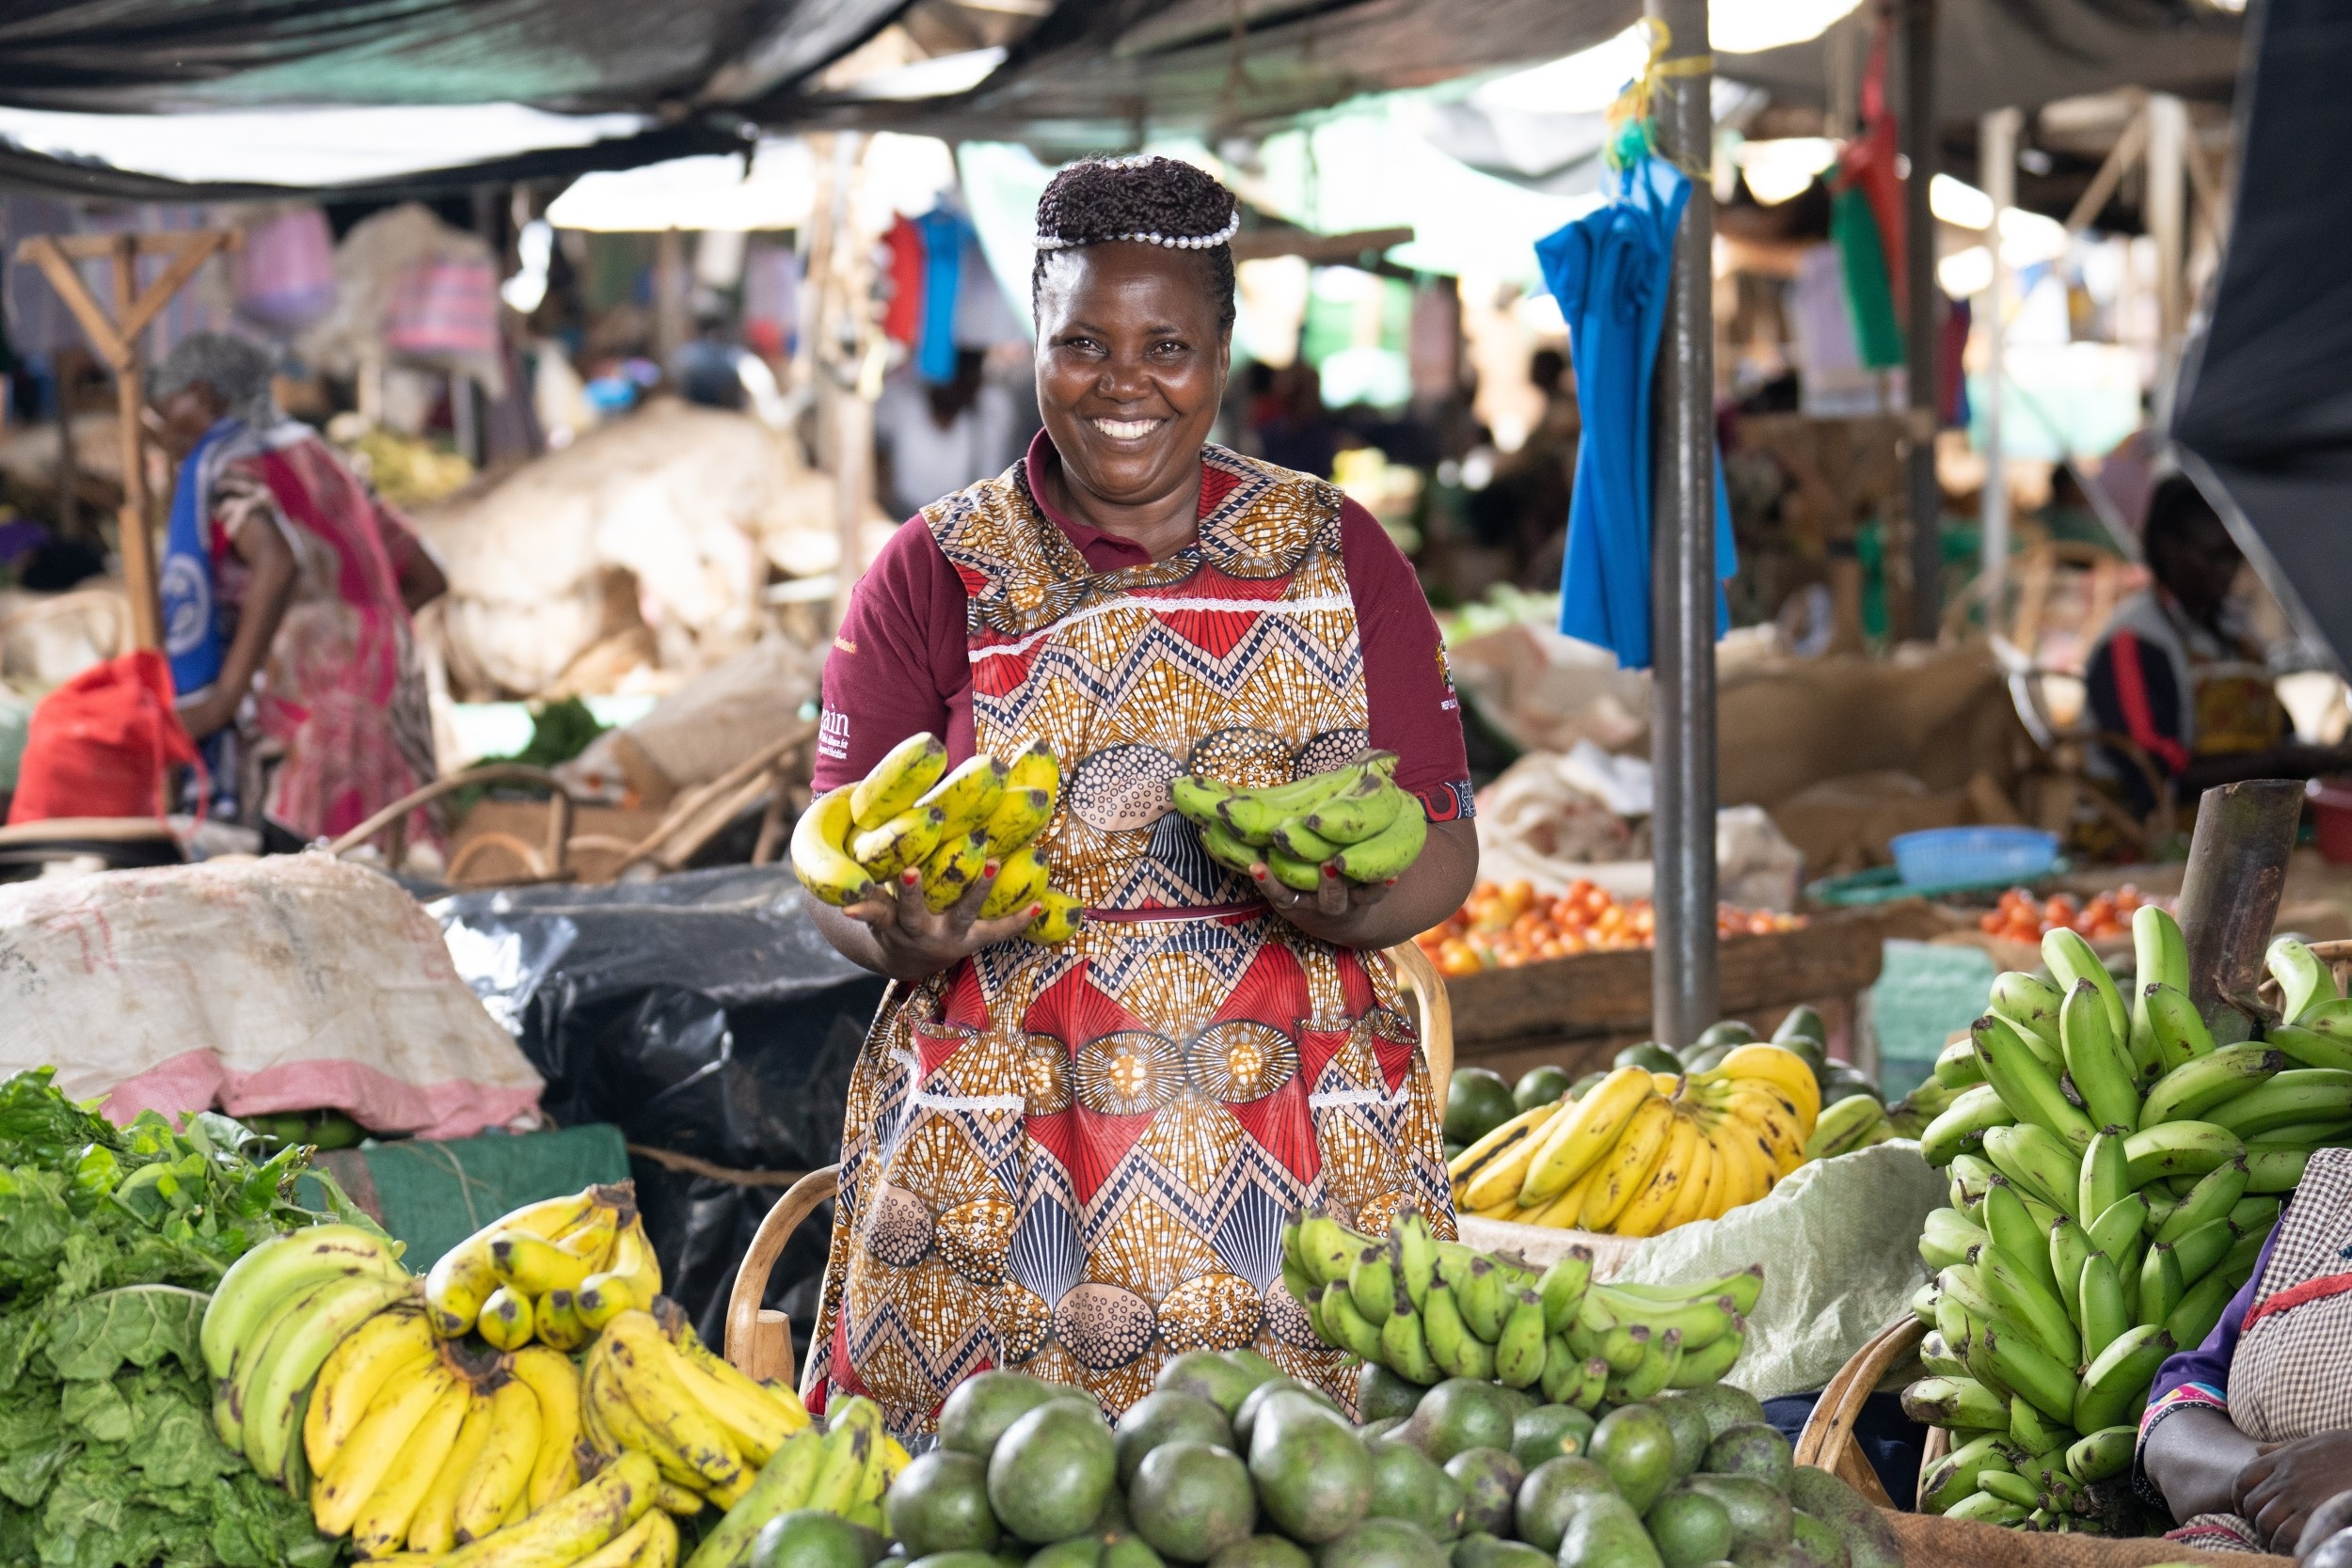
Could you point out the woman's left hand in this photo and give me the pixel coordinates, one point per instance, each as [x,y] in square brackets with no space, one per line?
[2278,1488]
[1381,914]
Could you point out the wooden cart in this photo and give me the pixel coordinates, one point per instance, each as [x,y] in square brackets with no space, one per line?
[759,1338]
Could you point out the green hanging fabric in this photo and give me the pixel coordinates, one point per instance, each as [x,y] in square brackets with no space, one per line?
[1869,293]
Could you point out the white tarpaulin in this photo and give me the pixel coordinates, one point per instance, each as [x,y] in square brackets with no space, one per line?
[295,983]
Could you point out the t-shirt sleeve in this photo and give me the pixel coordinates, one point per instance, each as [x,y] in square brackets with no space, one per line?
[898,664]
[1409,701]
[2133,692]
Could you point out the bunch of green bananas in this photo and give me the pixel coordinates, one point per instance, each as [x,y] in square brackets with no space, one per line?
[1860,1120]
[1353,819]
[843,1470]
[2114,1175]
[912,814]
[555,1270]
[1428,1310]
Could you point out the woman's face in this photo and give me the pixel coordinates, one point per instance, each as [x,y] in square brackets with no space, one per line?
[186,415]
[1130,368]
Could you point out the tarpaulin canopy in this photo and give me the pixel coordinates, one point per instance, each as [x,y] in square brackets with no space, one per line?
[2022,54]
[2264,409]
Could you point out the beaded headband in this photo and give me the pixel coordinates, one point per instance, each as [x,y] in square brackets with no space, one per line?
[1174,242]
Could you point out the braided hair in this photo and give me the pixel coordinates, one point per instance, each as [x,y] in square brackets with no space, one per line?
[1153,201]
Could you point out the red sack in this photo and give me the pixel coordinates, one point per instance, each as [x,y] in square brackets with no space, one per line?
[103,744]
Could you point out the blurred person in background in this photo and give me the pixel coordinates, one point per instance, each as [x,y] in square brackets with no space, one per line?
[932,440]
[287,588]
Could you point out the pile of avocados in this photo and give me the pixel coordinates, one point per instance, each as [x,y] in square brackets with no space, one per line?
[1231,1464]
[1478,1100]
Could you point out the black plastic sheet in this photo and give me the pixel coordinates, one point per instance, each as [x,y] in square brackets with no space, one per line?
[704,1015]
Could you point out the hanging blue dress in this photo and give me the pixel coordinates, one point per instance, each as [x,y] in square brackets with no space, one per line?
[1609,271]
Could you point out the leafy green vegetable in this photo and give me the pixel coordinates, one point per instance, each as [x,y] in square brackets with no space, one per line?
[109,1238]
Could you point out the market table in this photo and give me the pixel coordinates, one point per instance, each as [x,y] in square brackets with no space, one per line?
[1576,1012]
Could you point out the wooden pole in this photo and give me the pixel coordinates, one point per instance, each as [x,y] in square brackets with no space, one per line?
[2237,873]
[117,339]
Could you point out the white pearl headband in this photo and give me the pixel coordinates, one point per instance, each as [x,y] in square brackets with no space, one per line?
[1173,242]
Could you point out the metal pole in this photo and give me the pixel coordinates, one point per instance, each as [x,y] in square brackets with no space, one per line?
[1997,149]
[2167,222]
[1927,498]
[1682,564]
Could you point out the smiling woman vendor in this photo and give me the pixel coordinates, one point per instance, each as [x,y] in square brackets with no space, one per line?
[1076,1161]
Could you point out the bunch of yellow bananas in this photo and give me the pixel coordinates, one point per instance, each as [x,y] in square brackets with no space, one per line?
[905,816]
[1645,1151]
[556,1270]
[650,1386]
[419,1443]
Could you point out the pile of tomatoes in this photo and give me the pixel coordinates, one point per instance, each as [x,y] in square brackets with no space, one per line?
[1503,926]
[2022,917]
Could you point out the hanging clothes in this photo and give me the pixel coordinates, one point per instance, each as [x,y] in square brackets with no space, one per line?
[1609,270]
[1867,220]
[945,234]
[902,317]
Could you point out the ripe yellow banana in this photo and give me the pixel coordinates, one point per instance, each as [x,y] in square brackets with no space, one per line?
[393,1417]
[1018,879]
[821,850]
[1564,1212]
[755,1423]
[1625,1168]
[1573,1145]
[615,1428]
[555,1319]
[1697,1188]
[952,868]
[382,1522]
[353,1372]
[1740,1152]
[1060,920]
[899,843]
[555,1384]
[1472,1159]
[1018,816]
[571,1527]
[533,1265]
[644,1369]
[1645,1214]
[634,1279]
[506,1319]
[897,780]
[501,1473]
[592,1238]
[678,1501]
[968,794]
[435,1527]
[1784,1069]
[848,1454]
[1764,1109]
[1485,1179]
[650,1543]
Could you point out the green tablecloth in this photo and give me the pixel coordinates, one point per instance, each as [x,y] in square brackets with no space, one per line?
[433,1196]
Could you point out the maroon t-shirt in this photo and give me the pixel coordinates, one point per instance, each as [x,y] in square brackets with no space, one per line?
[901,665]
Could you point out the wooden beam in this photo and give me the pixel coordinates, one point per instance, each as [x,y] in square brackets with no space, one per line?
[2120,157]
[1324,249]
[134,532]
[175,276]
[44,252]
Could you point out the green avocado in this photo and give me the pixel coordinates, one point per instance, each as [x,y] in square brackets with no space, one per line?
[1382,1544]
[1649,1057]
[960,1559]
[1192,1500]
[809,1538]
[1690,1433]
[1869,1538]
[1823,1545]
[1635,1444]
[1477,1101]
[1380,1392]
[1490,1481]
[1607,1533]
[1313,1478]
[939,1503]
[1726,1406]
[1207,1375]
[1541,1085]
[982,1406]
[1548,1432]
[1170,1415]
[1079,1551]
[1464,1413]
[1246,1416]
[1550,1496]
[1802,1019]
[1690,1529]
[1404,1484]
[1729,1031]
[1263,1551]
[1051,1471]
[1752,1448]
[1760,1516]
[1481,1550]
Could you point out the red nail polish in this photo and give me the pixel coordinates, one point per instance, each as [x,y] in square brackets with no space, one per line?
[990,869]
[1036,910]
[1258,872]
[1391,882]
[910,877]
[1330,870]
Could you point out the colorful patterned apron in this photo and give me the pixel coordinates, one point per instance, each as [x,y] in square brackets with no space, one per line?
[2286,1378]
[1077,1161]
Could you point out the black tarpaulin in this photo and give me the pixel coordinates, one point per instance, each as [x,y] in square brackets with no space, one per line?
[2264,409]
[146,56]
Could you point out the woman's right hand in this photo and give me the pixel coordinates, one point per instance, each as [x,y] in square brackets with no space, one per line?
[911,943]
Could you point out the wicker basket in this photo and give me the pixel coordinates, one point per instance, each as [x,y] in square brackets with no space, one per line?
[759,1338]
[1930,1541]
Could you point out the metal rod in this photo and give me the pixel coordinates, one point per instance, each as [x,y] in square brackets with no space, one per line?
[1921,330]
[1682,566]
[1997,152]
[2168,219]
[2237,872]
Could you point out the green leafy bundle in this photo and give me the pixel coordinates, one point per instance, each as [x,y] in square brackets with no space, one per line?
[110,1240]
